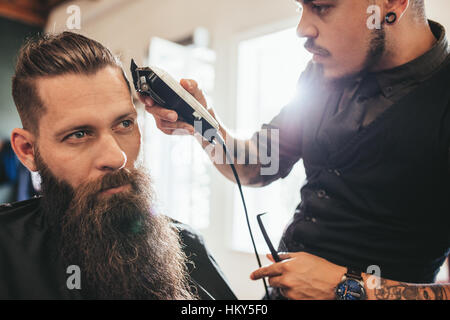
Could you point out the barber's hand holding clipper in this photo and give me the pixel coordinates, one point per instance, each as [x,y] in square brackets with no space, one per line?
[167,120]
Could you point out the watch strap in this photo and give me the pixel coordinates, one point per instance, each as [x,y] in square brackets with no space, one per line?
[354,273]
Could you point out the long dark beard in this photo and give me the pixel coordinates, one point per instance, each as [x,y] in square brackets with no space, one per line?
[123,250]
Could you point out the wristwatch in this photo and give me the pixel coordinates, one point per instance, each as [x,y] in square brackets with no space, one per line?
[351,286]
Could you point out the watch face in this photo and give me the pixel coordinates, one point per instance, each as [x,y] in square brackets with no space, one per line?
[350,289]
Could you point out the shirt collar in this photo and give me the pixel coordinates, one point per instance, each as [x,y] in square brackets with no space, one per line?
[418,69]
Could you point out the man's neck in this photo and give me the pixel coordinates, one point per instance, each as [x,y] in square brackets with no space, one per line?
[406,43]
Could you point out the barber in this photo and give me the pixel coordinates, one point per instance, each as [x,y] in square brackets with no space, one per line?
[371,122]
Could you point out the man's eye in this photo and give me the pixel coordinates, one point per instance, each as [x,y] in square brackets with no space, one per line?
[320,9]
[127,123]
[77,135]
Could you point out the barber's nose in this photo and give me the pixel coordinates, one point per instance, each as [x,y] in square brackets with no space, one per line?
[110,156]
[306,29]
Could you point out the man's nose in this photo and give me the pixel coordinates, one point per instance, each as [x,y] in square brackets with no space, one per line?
[306,29]
[110,156]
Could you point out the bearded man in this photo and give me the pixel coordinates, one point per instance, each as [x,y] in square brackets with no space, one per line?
[95,216]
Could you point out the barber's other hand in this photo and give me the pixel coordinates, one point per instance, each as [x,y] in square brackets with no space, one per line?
[167,120]
[302,276]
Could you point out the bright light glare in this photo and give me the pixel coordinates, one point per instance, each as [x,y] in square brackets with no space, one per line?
[268,69]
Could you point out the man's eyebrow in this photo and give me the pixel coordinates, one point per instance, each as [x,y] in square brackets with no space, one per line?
[74,129]
[90,127]
[126,115]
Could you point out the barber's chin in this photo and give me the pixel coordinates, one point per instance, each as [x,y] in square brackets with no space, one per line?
[334,73]
[319,58]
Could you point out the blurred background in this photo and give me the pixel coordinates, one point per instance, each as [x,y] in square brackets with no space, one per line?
[245,56]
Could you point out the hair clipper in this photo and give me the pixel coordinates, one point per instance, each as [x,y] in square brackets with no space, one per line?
[168,93]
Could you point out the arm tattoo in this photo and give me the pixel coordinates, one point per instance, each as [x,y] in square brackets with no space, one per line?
[391,290]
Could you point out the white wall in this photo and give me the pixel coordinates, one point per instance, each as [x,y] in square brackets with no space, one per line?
[126,27]
[439,10]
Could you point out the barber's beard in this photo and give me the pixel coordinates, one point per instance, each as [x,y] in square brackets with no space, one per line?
[123,250]
[376,51]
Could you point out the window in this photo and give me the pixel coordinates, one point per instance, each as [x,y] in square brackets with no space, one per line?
[268,69]
[178,166]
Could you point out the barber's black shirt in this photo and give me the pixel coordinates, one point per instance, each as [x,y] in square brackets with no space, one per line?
[376,156]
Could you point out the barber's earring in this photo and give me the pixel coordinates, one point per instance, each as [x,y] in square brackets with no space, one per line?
[391,17]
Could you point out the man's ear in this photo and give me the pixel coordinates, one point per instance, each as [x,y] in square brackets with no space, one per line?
[398,6]
[22,142]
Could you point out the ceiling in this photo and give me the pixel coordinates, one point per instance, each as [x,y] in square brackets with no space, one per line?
[34,12]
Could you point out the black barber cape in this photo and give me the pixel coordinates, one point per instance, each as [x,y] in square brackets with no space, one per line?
[29,271]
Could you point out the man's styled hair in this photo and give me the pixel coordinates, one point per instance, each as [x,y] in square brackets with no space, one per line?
[54,55]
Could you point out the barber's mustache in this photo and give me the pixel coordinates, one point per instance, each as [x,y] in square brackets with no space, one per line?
[311,47]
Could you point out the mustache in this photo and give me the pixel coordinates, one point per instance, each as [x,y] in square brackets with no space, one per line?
[89,195]
[310,46]
[116,179]
[110,180]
